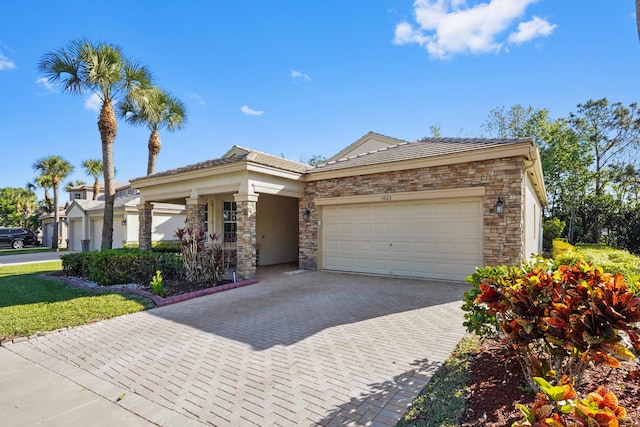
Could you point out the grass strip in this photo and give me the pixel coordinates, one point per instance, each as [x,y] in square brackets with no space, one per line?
[30,304]
[442,402]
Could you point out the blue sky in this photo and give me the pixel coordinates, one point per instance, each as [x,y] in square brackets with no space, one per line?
[298,78]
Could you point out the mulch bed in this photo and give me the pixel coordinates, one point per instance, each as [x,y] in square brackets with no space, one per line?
[497,384]
[175,290]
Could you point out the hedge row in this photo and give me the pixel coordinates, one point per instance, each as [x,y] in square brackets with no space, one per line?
[119,266]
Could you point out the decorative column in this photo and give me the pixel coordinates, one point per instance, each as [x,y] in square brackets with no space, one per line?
[246,205]
[196,216]
[145,218]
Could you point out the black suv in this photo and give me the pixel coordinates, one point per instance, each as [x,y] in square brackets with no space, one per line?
[16,237]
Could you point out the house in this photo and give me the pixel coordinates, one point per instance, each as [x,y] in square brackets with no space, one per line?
[434,208]
[85,219]
[85,191]
[47,220]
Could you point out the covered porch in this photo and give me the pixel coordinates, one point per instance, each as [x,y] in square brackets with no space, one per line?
[248,200]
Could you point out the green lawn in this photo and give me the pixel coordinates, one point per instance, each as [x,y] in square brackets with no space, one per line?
[442,402]
[30,304]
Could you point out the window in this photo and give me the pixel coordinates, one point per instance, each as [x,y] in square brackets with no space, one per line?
[229,221]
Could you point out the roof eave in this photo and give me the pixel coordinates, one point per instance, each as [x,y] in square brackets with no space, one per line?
[496,152]
[187,175]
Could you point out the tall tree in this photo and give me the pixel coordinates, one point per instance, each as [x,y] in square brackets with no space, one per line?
[518,122]
[317,159]
[45,183]
[607,131]
[14,206]
[100,68]
[156,109]
[94,168]
[638,16]
[72,184]
[57,169]
[564,163]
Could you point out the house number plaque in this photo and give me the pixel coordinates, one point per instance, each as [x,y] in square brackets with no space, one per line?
[385,198]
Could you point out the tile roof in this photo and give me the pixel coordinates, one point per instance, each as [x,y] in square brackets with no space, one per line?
[193,167]
[129,200]
[427,147]
[274,161]
[249,155]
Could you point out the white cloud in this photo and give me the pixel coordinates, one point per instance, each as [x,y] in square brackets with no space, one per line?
[450,27]
[197,98]
[93,103]
[43,81]
[537,27]
[249,112]
[6,63]
[295,74]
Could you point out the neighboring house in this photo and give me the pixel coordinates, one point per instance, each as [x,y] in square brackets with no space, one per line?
[85,219]
[434,208]
[46,224]
[85,192]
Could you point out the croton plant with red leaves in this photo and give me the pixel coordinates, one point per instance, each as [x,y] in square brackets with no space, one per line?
[558,406]
[559,321]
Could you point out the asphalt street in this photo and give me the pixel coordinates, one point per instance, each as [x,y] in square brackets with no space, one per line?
[25,258]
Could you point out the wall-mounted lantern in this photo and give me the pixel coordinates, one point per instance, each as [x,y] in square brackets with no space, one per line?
[306,215]
[499,206]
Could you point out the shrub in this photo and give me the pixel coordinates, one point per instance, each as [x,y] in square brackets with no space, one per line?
[478,319]
[560,321]
[117,266]
[170,264]
[560,246]
[203,261]
[558,407]
[611,260]
[166,247]
[552,229]
[77,264]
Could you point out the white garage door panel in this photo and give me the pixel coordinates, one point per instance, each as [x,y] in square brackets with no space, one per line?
[76,232]
[432,239]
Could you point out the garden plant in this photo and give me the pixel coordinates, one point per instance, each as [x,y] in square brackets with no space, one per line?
[559,321]
[204,261]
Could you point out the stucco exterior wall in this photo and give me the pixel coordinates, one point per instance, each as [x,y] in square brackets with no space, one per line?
[165,225]
[277,229]
[503,235]
[533,222]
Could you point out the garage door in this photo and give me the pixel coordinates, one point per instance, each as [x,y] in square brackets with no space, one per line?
[429,238]
[96,235]
[76,234]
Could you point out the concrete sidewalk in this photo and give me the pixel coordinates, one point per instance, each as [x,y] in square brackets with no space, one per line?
[31,394]
[311,349]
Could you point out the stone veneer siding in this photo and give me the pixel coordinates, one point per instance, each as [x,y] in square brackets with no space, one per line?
[246,242]
[196,216]
[503,235]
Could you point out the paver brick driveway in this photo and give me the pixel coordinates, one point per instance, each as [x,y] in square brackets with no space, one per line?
[314,348]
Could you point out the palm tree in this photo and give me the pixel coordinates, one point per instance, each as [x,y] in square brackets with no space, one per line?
[72,184]
[56,169]
[156,109]
[638,16]
[94,168]
[45,183]
[100,68]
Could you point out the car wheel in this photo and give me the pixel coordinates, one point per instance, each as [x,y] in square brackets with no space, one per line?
[17,244]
